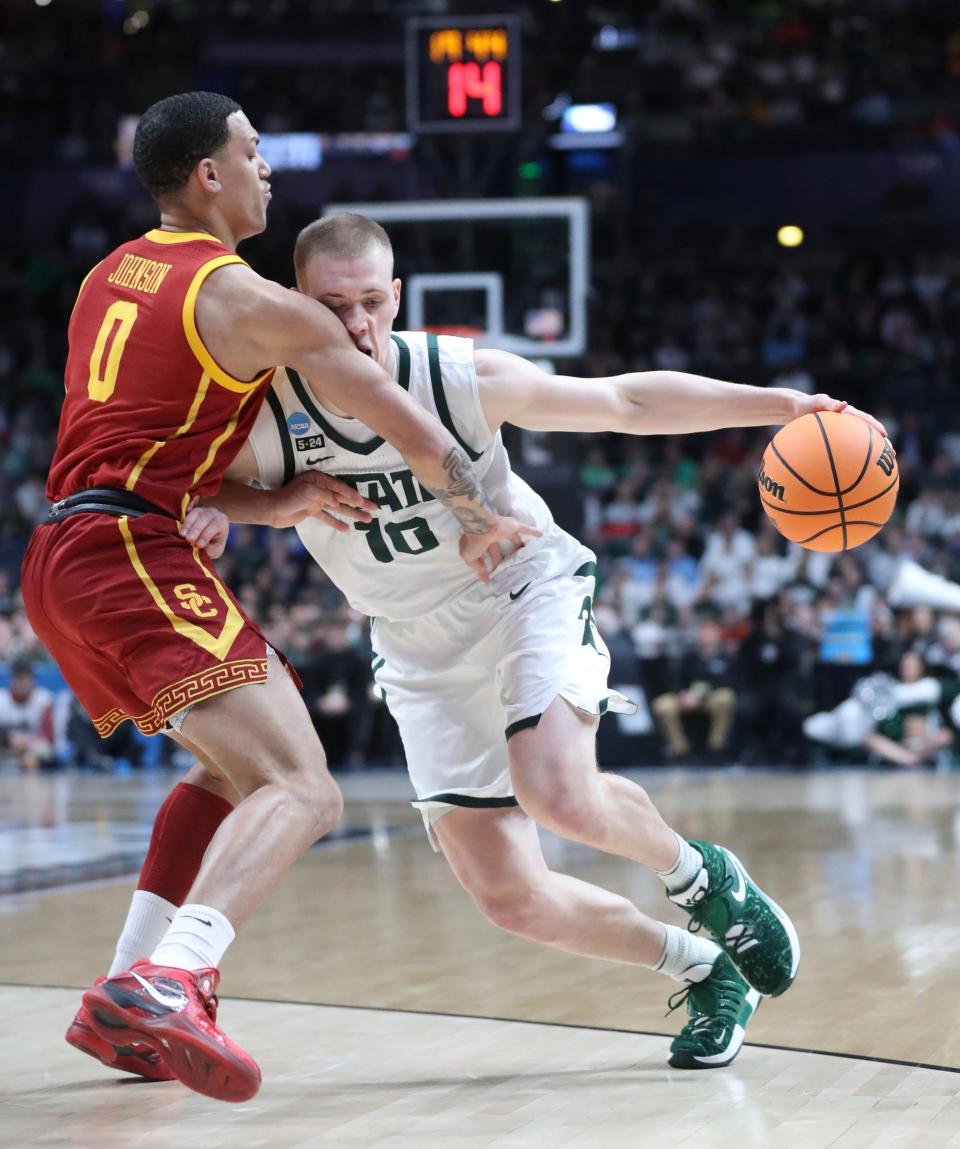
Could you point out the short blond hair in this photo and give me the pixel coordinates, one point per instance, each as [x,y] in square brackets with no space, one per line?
[344,235]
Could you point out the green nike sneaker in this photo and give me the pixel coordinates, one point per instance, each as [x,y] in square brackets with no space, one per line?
[758,936]
[719,1007]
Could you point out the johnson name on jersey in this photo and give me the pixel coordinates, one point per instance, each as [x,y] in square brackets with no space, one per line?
[147,408]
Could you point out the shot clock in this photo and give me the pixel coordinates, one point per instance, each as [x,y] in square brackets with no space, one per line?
[463,74]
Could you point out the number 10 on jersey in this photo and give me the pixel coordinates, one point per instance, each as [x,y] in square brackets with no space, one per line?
[408,537]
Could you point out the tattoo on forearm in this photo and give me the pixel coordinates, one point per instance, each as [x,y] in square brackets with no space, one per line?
[473,522]
[462,483]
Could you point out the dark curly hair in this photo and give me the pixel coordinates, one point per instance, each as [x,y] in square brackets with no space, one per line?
[175,134]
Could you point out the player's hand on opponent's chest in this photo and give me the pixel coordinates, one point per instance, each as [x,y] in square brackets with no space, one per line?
[484,553]
[319,496]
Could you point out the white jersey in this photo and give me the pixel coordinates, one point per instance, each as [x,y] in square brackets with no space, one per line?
[406,562]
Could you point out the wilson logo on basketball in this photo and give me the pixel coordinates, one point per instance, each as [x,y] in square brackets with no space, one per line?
[768,485]
[843,481]
[886,460]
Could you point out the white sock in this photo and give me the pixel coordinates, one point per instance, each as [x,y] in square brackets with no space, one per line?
[197,938]
[147,921]
[686,956]
[689,863]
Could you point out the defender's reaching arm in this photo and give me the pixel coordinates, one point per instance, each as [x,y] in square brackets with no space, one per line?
[247,322]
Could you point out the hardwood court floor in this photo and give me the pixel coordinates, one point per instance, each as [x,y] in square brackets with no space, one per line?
[867,865]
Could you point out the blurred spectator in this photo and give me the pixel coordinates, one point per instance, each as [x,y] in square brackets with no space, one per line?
[773,566]
[794,375]
[26,720]
[336,689]
[706,681]
[943,654]
[846,639]
[910,735]
[904,721]
[121,751]
[655,641]
[726,564]
[774,690]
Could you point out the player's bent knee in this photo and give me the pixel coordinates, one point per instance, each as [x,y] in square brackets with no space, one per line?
[517,910]
[327,806]
[316,792]
[567,810]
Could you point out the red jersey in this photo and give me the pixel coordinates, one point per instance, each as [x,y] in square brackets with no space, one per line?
[147,407]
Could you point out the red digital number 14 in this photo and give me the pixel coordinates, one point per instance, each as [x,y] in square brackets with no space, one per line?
[471,82]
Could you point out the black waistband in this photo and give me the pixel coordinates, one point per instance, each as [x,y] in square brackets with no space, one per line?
[103,501]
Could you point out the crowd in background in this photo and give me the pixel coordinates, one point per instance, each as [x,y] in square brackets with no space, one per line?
[786,72]
[732,638]
[680,71]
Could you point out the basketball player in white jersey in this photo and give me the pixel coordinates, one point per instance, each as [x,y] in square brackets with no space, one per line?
[498,687]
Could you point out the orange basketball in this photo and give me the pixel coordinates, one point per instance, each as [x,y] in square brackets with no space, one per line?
[828,481]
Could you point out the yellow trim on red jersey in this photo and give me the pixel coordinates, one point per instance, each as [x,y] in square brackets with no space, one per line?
[204,358]
[83,282]
[142,462]
[158,236]
[217,645]
[212,452]
[191,418]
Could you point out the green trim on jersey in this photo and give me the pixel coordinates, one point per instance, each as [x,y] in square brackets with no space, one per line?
[470,801]
[403,362]
[358,447]
[522,724]
[276,409]
[436,380]
[588,570]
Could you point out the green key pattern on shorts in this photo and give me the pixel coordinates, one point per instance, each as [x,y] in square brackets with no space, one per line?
[740,917]
[719,1008]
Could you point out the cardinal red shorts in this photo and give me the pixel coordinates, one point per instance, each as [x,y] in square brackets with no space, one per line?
[136,618]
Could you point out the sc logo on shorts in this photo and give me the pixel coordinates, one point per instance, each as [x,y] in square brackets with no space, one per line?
[298,423]
[191,599]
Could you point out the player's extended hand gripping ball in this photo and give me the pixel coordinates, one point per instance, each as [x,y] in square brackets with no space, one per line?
[828,481]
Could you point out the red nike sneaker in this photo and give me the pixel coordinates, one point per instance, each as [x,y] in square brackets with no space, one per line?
[138,1059]
[172,1012]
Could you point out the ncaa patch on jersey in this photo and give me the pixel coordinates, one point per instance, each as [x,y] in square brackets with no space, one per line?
[297,423]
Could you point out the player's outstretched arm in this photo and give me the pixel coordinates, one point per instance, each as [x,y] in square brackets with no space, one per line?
[513,390]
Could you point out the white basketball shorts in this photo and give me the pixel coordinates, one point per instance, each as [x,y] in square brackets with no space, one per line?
[462,680]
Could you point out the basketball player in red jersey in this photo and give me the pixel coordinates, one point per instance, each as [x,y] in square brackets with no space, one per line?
[171,347]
